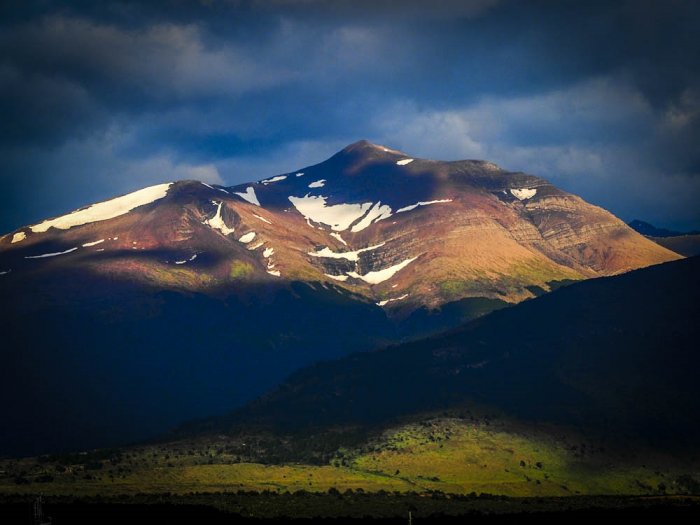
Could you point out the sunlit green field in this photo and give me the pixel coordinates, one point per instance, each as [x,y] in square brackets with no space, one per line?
[435,455]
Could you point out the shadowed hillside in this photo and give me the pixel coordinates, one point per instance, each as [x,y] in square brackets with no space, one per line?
[615,355]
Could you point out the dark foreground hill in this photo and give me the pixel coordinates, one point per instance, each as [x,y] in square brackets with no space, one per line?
[615,356]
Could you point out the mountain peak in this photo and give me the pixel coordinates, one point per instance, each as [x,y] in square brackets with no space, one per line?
[367,147]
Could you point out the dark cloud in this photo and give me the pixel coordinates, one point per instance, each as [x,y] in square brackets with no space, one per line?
[603,98]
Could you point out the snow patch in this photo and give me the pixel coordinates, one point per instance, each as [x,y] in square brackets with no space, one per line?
[213,188]
[217,221]
[276,273]
[403,162]
[421,203]
[318,184]
[300,174]
[337,236]
[105,210]
[273,179]
[523,193]
[339,216]
[337,277]
[5,272]
[380,276]
[268,251]
[44,255]
[387,301]
[256,245]
[249,195]
[93,243]
[19,236]
[245,239]
[262,218]
[375,214]
[350,256]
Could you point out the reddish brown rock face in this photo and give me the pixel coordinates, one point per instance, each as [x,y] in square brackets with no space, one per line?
[401,231]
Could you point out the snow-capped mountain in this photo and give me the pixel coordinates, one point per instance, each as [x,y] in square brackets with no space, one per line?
[183,300]
[402,232]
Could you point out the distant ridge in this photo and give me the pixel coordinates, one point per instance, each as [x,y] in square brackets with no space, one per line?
[652,231]
[687,244]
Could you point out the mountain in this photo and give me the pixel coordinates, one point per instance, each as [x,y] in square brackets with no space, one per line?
[369,219]
[183,299]
[687,244]
[615,358]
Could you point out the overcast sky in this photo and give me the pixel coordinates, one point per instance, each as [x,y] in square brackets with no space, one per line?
[102,98]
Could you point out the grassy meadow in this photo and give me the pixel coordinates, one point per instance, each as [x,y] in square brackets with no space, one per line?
[434,455]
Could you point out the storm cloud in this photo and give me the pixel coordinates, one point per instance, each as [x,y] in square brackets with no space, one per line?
[602,98]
